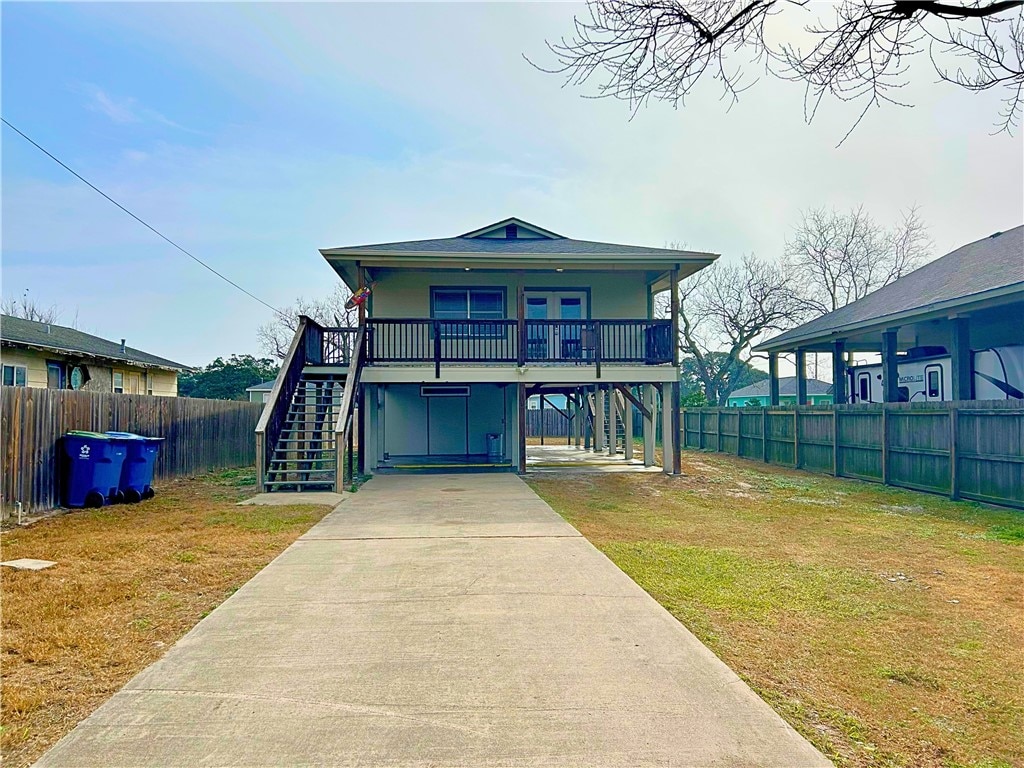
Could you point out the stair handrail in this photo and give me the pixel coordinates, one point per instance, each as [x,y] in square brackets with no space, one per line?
[348,399]
[268,428]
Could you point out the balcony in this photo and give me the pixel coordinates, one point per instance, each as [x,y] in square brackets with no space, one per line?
[497,342]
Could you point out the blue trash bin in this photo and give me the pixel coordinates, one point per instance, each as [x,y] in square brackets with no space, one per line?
[136,481]
[94,464]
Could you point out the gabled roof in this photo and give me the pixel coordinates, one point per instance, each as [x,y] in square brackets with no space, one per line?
[500,227]
[18,332]
[263,386]
[988,267]
[787,386]
[481,243]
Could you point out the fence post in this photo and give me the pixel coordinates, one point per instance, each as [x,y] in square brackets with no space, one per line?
[796,437]
[700,429]
[835,441]
[885,444]
[764,434]
[954,436]
[718,423]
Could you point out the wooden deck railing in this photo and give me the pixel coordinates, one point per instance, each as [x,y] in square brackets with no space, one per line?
[568,342]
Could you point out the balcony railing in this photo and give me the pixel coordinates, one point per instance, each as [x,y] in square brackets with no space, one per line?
[516,342]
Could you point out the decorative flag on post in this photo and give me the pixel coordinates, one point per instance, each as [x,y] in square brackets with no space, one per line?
[358,298]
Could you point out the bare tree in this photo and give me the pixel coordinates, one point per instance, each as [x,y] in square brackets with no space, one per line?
[860,49]
[276,336]
[28,308]
[724,309]
[835,258]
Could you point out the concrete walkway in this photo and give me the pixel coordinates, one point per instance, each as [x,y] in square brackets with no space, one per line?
[437,620]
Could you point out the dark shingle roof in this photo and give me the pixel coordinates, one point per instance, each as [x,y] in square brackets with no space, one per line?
[18,331]
[993,262]
[787,386]
[497,247]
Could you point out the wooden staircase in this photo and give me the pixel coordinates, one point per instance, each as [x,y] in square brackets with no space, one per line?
[305,456]
[620,433]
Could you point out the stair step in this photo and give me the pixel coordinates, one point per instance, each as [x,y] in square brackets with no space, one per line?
[327,459]
[277,474]
[271,484]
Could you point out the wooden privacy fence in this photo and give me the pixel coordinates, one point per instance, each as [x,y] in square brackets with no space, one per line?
[200,435]
[965,449]
[547,423]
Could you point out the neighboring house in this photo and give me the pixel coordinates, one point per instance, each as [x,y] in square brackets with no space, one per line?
[950,330]
[56,357]
[458,334]
[554,400]
[759,394]
[260,393]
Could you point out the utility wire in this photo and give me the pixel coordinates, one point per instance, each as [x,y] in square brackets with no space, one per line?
[151,228]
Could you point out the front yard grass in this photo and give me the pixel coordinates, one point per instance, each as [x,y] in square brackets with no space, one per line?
[886,626]
[129,581]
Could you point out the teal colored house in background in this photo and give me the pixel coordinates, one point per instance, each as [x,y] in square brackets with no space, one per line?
[818,393]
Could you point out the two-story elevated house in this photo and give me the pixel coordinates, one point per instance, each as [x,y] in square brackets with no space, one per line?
[454,338]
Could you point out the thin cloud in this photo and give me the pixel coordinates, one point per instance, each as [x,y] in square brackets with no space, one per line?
[125,111]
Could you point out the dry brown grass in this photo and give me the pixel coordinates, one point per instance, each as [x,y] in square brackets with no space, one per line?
[887,626]
[129,581]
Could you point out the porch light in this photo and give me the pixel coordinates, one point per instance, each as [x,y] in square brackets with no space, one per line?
[466,268]
[559,269]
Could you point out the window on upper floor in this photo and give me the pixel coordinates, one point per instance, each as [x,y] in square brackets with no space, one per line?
[14,375]
[468,304]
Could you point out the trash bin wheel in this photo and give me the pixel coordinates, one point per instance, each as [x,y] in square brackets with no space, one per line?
[94,499]
[117,497]
[149,493]
[132,496]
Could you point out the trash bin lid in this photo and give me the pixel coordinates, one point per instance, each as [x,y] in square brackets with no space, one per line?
[83,433]
[125,435]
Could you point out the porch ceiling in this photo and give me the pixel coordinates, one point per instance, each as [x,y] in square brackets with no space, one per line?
[656,274]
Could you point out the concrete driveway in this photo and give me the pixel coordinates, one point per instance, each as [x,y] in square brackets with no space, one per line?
[437,620]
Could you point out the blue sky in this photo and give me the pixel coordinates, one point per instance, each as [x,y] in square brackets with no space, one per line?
[255,134]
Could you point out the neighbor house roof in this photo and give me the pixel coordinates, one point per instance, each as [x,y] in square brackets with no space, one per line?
[263,386]
[18,332]
[787,386]
[990,267]
[525,243]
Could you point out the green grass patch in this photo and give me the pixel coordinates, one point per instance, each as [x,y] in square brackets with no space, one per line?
[267,519]
[742,587]
[1012,533]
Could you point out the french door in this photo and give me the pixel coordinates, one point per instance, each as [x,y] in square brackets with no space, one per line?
[555,340]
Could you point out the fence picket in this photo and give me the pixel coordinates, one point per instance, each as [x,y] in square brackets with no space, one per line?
[200,435]
[966,449]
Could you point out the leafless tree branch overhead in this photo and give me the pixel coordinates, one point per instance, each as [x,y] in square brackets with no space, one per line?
[639,50]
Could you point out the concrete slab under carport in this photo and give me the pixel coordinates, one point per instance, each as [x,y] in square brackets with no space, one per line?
[569,458]
[438,620]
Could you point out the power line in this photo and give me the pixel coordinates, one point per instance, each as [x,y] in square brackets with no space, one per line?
[148,226]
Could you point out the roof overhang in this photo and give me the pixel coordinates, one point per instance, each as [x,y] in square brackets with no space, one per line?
[347,261]
[166,366]
[823,339]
